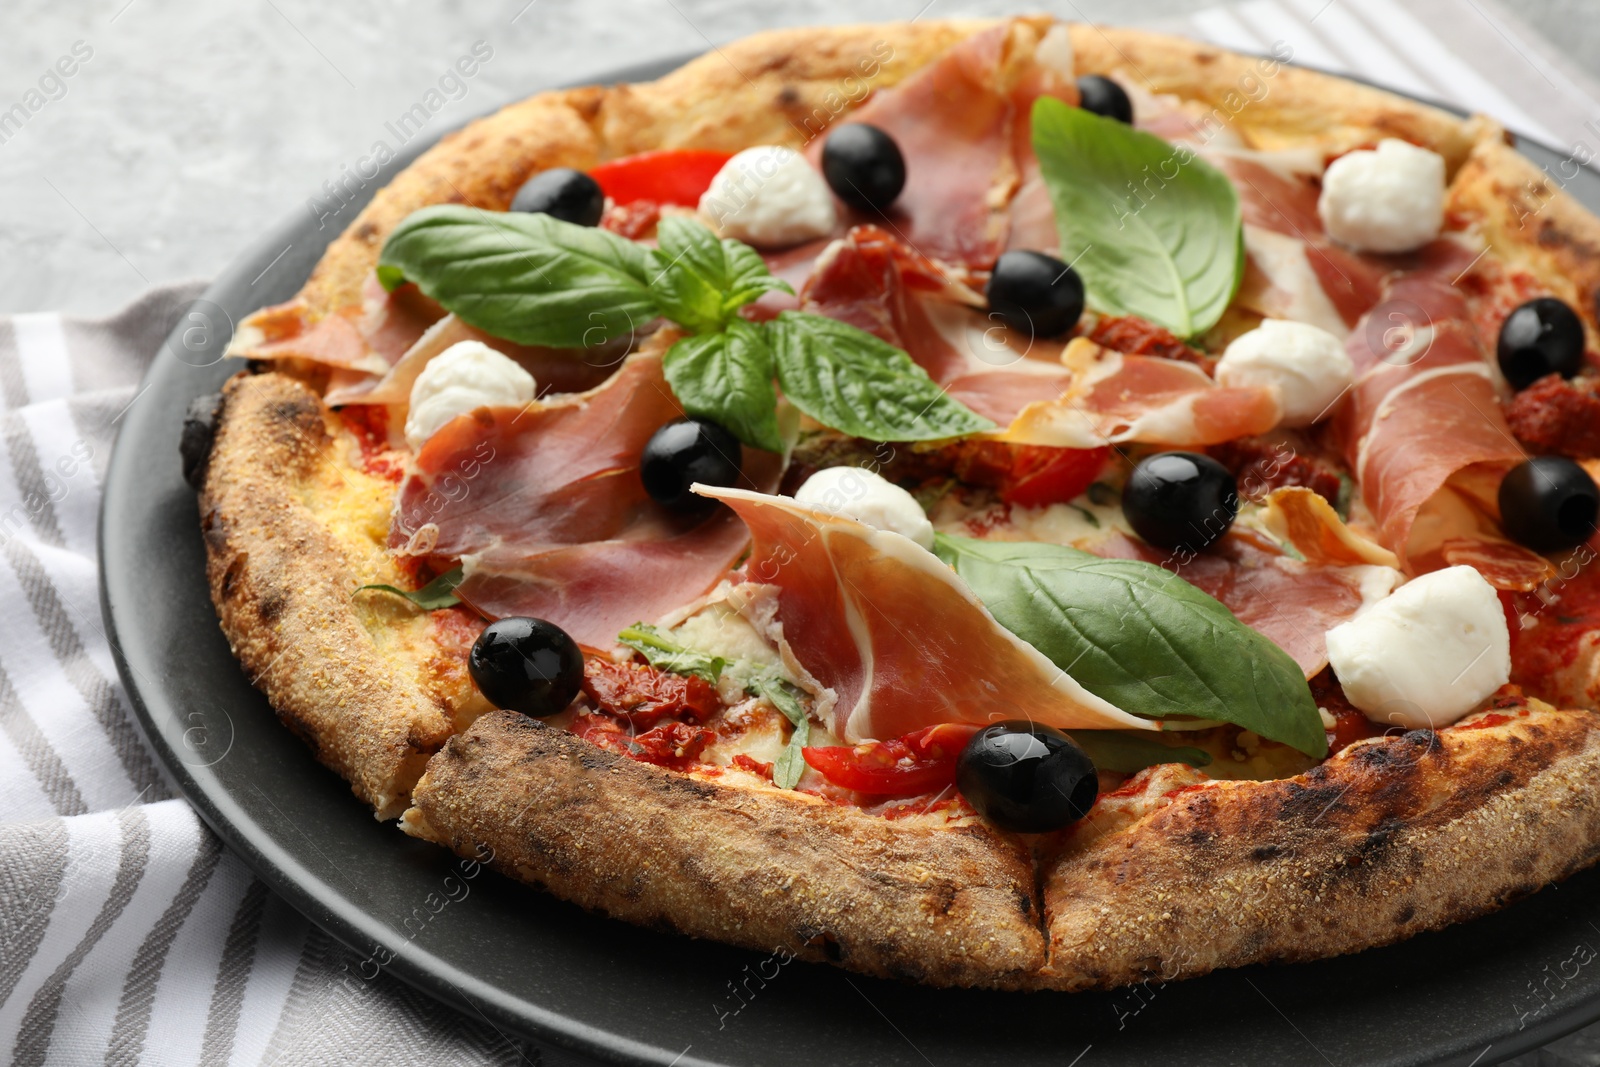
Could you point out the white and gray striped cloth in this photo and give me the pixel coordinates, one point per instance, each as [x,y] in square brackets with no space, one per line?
[127,935]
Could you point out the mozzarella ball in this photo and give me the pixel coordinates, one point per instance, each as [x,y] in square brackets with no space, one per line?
[1306,364]
[857,493]
[1426,655]
[464,377]
[769,196]
[1387,200]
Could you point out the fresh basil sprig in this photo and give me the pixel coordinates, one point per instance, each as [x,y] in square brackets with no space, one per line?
[439,593]
[1140,636]
[663,652]
[536,280]
[1151,228]
[791,762]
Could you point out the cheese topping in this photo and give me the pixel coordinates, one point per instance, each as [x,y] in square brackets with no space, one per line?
[1306,364]
[1426,655]
[769,196]
[464,377]
[1386,200]
[857,493]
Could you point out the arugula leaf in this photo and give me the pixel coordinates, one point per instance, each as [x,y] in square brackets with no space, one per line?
[727,378]
[663,652]
[526,277]
[1152,229]
[791,763]
[439,593]
[1128,753]
[850,380]
[1140,636]
[700,281]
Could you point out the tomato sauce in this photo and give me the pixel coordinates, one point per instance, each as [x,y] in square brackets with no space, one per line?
[1549,624]
[369,425]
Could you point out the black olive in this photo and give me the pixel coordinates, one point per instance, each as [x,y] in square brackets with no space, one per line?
[195,440]
[863,166]
[562,193]
[1180,500]
[1104,97]
[1035,294]
[686,451]
[1549,504]
[1025,777]
[1543,336]
[527,665]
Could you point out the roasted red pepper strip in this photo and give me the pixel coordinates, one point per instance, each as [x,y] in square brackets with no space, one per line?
[919,762]
[1041,475]
[669,176]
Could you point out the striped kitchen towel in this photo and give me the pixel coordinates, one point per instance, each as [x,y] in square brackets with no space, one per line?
[127,935]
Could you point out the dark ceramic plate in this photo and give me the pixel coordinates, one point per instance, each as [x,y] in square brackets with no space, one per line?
[589,986]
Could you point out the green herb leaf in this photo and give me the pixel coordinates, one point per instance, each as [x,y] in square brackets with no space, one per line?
[727,378]
[700,281]
[1140,636]
[1152,229]
[850,380]
[439,593]
[791,763]
[528,278]
[1128,753]
[663,652]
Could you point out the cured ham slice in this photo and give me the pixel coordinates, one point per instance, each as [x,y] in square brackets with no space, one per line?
[873,281]
[900,641]
[544,506]
[1304,519]
[1115,397]
[962,122]
[555,370]
[1423,430]
[356,341]
[1292,603]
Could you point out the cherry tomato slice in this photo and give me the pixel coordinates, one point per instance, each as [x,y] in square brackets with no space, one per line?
[668,176]
[919,762]
[1041,475]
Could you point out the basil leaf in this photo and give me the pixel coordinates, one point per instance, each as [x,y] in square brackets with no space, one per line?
[701,281]
[1140,636]
[850,380]
[439,593]
[1128,753]
[528,278]
[727,378]
[662,652]
[791,763]
[1152,229]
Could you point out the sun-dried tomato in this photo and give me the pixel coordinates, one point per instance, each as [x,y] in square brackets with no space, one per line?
[642,696]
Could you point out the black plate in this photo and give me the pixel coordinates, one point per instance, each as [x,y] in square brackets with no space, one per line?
[531,964]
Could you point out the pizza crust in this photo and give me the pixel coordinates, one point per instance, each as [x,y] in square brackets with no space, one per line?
[759,867]
[1443,829]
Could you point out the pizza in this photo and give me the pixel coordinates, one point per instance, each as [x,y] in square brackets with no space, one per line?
[986,503]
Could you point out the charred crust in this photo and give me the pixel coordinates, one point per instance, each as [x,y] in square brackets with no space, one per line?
[755,866]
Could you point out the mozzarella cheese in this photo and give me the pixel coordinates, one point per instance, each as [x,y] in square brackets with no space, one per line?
[857,493]
[769,196]
[464,377]
[1386,200]
[1426,655]
[1306,364]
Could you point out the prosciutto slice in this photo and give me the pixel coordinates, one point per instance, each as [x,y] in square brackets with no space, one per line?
[962,122]
[355,341]
[897,637]
[1115,397]
[1423,430]
[1292,603]
[873,281]
[544,506]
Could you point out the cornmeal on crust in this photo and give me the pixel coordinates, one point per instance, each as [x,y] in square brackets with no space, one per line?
[1390,837]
